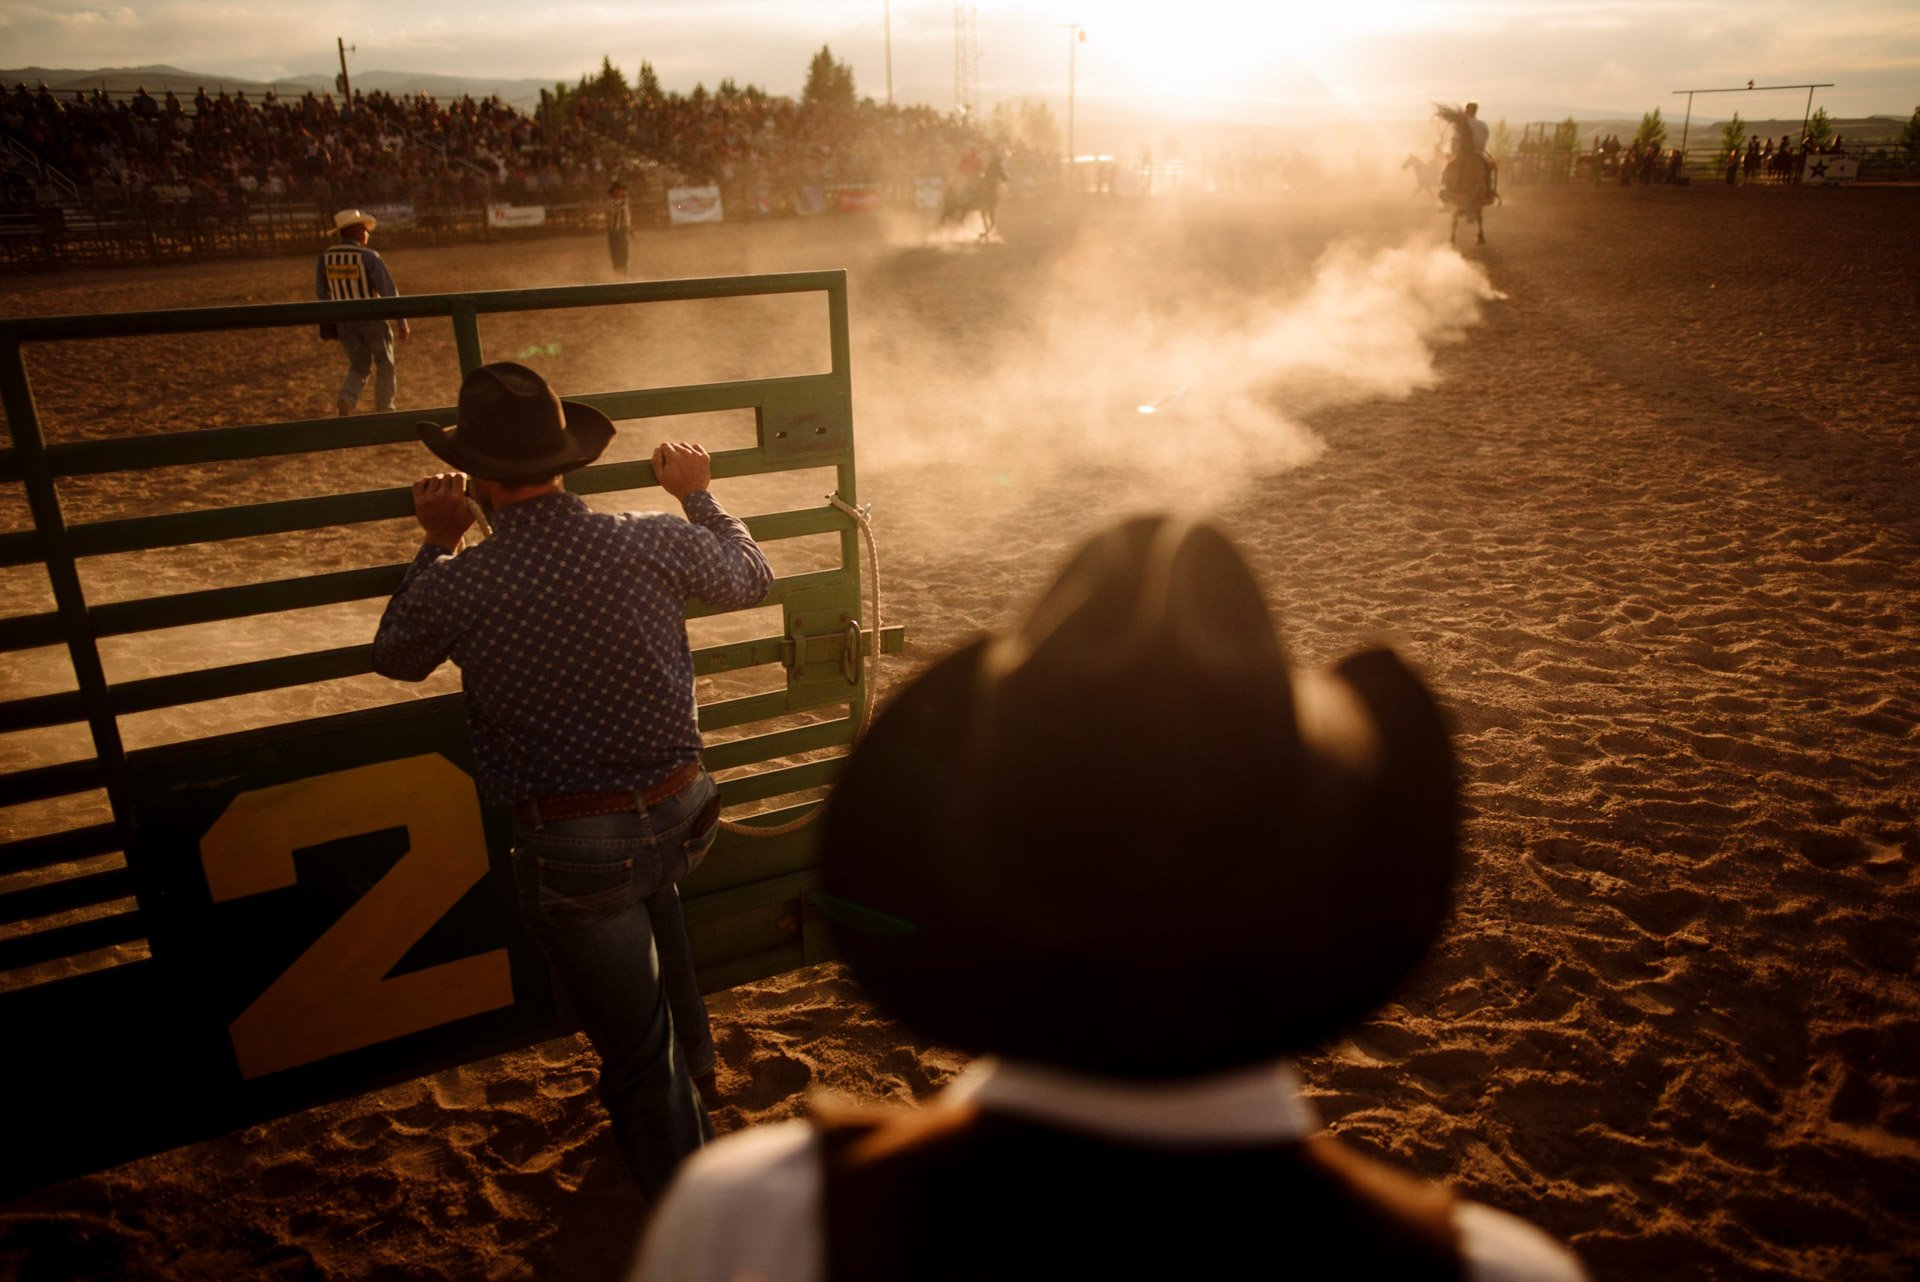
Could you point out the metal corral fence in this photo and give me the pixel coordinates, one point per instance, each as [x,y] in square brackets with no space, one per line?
[93,234]
[86,232]
[1701,164]
[303,911]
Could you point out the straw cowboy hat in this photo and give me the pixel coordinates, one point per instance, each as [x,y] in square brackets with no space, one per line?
[346,218]
[512,425]
[1125,838]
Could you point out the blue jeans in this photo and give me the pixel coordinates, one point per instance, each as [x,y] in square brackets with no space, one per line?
[369,347]
[599,895]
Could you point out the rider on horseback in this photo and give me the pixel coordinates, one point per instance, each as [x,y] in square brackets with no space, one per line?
[1479,126]
[1470,173]
[1468,184]
[975,190]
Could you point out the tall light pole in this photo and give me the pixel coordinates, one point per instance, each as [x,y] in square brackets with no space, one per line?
[346,85]
[1075,34]
[886,26]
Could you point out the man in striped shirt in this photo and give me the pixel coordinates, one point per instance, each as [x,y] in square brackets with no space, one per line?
[348,269]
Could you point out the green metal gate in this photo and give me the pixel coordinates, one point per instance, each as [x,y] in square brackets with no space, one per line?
[295,913]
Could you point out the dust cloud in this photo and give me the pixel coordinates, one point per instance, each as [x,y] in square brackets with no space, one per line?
[1140,362]
[981,371]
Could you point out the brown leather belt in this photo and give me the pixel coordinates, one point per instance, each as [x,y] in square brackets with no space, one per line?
[580,805]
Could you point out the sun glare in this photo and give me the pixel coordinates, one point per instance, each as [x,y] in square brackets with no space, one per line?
[1211,52]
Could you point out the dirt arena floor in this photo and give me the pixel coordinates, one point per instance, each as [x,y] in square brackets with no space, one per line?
[1635,485]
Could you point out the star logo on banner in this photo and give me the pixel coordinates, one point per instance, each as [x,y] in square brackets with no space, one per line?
[1817,170]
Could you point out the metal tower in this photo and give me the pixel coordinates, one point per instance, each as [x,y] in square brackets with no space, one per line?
[966,59]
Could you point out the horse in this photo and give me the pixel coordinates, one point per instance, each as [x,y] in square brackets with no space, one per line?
[1467,188]
[1426,175]
[982,196]
[1468,183]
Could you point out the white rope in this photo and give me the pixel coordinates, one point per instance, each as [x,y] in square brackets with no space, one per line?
[862,519]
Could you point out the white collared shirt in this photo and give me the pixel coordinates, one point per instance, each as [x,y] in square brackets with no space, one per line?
[747,1209]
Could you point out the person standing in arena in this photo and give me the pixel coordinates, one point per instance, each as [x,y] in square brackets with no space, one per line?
[348,269]
[568,628]
[619,226]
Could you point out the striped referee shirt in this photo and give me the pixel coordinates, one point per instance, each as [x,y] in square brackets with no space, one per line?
[568,627]
[347,270]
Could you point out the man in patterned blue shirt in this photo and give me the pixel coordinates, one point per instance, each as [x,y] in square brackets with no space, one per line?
[568,628]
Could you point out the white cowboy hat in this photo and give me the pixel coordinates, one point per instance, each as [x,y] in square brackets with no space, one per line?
[348,217]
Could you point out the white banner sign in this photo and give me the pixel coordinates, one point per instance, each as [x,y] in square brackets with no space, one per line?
[694,205]
[516,215]
[1831,169]
[393,215]
[929,193]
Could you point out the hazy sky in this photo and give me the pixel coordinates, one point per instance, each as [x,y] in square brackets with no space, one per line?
[1264,60]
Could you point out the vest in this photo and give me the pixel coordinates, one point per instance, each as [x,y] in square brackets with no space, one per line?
[960,1193]
[345,271]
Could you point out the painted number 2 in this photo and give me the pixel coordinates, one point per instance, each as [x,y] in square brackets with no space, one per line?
[337,996]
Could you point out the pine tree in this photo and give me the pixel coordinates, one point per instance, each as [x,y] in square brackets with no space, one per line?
[1820,127]
[609,83]
[1653,130]
[829,83]
[1733,135]
[646,85]
[1910,139]
[1039,132]
[1024,126]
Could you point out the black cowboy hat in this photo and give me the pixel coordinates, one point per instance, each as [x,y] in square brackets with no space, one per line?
[512,425]
[1126,839]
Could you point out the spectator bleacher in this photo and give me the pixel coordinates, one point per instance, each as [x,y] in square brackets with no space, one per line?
[74,159]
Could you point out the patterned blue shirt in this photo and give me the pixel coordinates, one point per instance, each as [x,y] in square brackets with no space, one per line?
[569,631]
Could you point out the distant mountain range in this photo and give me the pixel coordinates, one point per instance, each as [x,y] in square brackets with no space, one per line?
[159,79]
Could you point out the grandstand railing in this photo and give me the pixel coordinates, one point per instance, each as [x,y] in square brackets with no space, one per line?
[30,160]
[256,922]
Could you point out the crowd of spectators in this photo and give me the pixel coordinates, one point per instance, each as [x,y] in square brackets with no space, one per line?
[765,153]
[230,147]
[226,148]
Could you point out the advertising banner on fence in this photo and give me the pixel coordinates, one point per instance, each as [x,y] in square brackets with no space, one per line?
[397,214]
[929,193]
[1831,169]
[809,200]
[856,199]
[694,205]
[516,215]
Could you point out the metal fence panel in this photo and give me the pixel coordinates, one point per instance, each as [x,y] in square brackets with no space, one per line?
[300,912]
